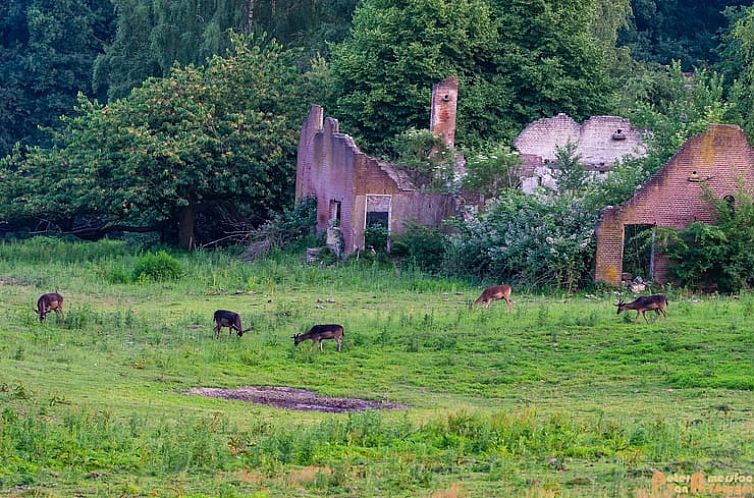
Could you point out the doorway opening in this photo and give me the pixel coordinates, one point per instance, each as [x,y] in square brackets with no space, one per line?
[638,252]
[377,223]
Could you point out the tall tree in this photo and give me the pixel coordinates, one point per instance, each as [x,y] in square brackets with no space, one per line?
[516,60]
[666,30]
[47,48]
[152,35]
[174,147]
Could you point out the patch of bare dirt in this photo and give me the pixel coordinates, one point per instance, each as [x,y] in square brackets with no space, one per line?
[292,399]
[12,281]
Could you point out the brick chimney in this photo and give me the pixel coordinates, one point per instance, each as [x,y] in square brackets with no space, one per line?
[442,121]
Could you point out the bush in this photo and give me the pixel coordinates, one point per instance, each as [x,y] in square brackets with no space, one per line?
[158,267]
[540,241]
[422,245]
[375,236]
[490,172]
[428,162]
[716,257]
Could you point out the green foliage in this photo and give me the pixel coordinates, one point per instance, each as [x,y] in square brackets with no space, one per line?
[515,63]
[175,146]
[376,237]
[736,48]
[153,36]
[571,173]
[423,246]
[157,267]
[491,171]
[663,31]
[429,163]
[47,48]
[284,228]
[719,256]
[538,241]
[383,73]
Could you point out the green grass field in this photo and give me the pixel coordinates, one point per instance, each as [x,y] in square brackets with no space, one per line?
[561,397]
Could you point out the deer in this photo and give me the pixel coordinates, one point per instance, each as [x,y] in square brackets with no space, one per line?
[656,303]
[51,301]
[230,319]
[493,293]
[319,333]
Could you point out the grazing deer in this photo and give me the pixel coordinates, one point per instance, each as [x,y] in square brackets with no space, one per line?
[49,302]
[493,293]
[321,332]
[230,319]
[656,303]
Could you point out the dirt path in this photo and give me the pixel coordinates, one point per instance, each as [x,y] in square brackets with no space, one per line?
[292,399]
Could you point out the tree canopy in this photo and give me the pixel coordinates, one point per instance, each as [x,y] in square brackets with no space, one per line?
[516,61]
[175,146]
[47,48]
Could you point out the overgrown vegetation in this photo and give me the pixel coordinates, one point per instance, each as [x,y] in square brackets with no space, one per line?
[719,256]
[561,390]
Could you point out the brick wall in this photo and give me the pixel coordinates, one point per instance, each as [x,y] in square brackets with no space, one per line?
[593,139]
[720,158]
[442,121]
[331,167]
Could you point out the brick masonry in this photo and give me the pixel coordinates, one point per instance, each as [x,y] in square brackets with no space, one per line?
[442,121]
[331,167]
[720,158]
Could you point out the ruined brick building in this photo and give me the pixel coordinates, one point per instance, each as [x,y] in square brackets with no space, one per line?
[720,159]
[600,141]
[354,190]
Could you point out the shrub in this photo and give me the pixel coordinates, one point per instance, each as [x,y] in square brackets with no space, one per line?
[422,245]
[375,236]
[490,172]
[716,257]
[426,160]
[158,267]
[541,241]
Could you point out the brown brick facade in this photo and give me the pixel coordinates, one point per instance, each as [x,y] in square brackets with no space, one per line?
[720,158]
[442,121]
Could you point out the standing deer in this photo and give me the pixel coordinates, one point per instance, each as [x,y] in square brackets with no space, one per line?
[49,302]
[494,293]
[656,303]
[230,319]
[319,333]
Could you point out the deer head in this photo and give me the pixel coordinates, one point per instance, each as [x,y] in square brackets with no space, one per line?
[620,304]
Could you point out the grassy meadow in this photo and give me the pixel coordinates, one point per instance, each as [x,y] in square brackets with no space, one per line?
[561,397]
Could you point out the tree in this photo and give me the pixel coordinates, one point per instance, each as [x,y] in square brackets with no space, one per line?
[516,61]
[174,147]
[397,49]
[153,35]
[47,48]
[570,172]
[666,30]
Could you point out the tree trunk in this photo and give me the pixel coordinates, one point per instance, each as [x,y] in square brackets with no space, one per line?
[186,219]
[249,16]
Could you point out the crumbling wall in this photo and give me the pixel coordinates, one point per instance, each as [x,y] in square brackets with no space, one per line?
[332,168]
[442,121]
[600,140]
[720,159]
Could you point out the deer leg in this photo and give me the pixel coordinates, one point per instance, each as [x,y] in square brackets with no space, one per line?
[321,350]
[638,313]
[340,343]
[510,305]
[644,314]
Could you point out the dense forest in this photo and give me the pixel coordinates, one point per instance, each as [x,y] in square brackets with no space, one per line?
[181,117]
